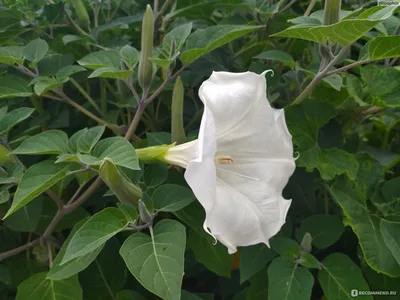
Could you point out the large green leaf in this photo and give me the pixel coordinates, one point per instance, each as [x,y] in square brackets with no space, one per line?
[214,257]
[36,180]
[253,259]
[14,86]
[277,55]
[172,197]
[119,150]
[383,47]
[203,41]
[179,35]
[366,226]
[11,54]
[39,287]
[101,59]
[14,117]
[95,232]
[304,125]
[35,50]
[60,272]
[157,261]
[287,281]
[344,32]
[130,56]
[391,235]
[48,142]
[89,139]
[325,230]
[339,276]
[30,214]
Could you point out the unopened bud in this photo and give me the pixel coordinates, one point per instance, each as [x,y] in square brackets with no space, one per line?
[4,156]
[145,74]
[177,128]
[331,11]
[122,187]
[306,242]
[81,12]
[144,214]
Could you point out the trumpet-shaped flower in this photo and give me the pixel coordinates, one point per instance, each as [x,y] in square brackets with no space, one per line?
[241,161]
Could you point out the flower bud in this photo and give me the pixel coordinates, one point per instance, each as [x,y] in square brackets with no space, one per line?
[122,187]
[177,128]
[144,214]
[81,12]
[331,11]
[306,242]
[145,74]
[4,157]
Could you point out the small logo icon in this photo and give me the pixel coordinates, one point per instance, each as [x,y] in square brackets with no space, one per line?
[354,293]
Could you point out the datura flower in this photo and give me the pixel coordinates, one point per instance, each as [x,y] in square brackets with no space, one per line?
[241,161]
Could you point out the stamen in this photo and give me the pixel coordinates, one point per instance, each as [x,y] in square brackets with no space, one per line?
[223,159]
[238,174]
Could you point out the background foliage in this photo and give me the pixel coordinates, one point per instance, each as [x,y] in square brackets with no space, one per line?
[70,94]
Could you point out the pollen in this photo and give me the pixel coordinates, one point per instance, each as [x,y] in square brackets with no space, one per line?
[223,159]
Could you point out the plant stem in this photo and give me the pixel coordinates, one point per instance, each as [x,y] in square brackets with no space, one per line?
[352,65]
[18,250]
[86,95]
[320,75]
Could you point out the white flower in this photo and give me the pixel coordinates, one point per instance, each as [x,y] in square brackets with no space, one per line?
[241,161]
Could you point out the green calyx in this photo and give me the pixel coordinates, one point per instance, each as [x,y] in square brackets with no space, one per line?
[153,154]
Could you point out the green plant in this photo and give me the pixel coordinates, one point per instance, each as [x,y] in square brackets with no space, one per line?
[92,98]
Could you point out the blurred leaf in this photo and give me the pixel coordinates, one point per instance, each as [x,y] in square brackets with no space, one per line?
[130,56]
[277,55]
[14,117]
[110,72]
[203,41]
[36,180]
[14,86]
[158,138]
[89,138]
[129,295]
[178,35]
[11,54]
[101,59]
[288,281]
[67,71]
[285,247]
[391,235]
[38,287]
[339,276]
[157,261]
[30,214]
[47,142]
[50,65]
[35,50]
[383,47]
[155,174]
[95,232]
[253,259]
[325,230]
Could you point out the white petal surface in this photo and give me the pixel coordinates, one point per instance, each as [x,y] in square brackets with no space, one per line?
[243,200]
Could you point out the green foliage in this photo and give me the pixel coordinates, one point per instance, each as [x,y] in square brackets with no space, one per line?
[86,87]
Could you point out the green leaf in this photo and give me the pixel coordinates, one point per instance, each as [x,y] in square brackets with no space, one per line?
[383,85]
[45,84]
[101,59]
[309,261]
[48,142]
[39,287]
[214,257]
[344,32]
[50,65]
[172,197]
[304,125]
[36,180]
[35,50]
[14,117]
[324,229]
[366,226]
[95,232]
[60,272]
[335,81]
[383,47]
[11,54]
[89,138]
[4,195]
[157,262]
[67,71]
[130,56]
[106,275]
[155,174]
[339,276]
[391,235]
[73,141]
[158,138]
[288,281]
[285,247]
[179,35]
[110,72]
[129,295]
[277,55]
[119,150]
[14,86]
[30,214]
[204,41]
[253,259]
[195,11]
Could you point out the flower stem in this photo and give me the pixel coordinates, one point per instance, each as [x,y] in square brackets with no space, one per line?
[86,95]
